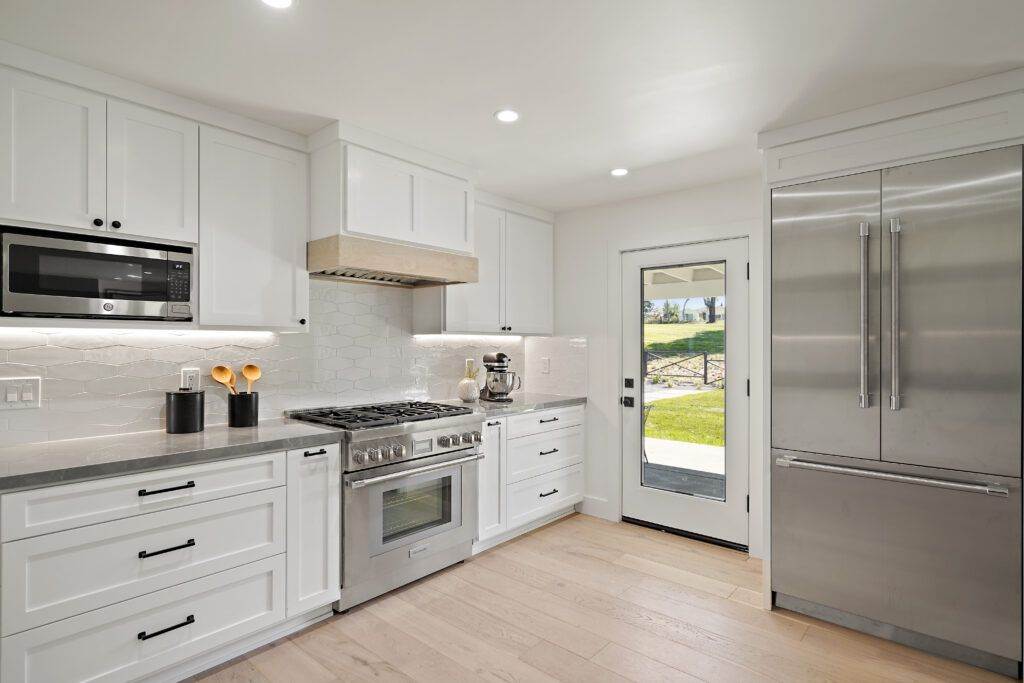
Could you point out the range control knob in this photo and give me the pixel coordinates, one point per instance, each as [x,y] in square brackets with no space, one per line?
[444,441]
[467,438]
[397,451]
[477,437]
[359,457]
[373,454]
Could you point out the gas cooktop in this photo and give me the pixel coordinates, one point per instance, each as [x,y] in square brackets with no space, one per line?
[378,414]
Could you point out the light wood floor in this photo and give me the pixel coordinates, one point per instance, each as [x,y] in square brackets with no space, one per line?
[586,600]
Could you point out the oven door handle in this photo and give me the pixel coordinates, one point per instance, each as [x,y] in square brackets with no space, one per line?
[360,483]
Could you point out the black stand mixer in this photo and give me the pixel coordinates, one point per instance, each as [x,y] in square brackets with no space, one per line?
[500,381]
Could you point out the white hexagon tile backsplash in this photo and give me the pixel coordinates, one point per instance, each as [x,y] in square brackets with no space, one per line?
[360,349]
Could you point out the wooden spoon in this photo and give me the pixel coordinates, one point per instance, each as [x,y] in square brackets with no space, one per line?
[251,373]
[224,375]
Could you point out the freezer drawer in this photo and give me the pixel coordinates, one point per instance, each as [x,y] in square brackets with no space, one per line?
[938,561]
[825,316]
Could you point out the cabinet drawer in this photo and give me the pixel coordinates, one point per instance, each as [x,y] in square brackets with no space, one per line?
[533,498]
[55,576]
[43,511]
[541,453]
[138,637]
[544,421]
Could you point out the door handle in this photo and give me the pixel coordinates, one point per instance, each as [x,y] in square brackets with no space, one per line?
[549,493]
[894,318]
[190,543]
[190,619]
[864,399]
[965,486]
[553,450]
[187,485]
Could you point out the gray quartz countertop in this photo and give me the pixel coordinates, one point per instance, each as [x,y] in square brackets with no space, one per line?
[522,403]
[59,462]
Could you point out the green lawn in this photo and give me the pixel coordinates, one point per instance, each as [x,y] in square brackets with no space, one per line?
[694,418]
[680,338]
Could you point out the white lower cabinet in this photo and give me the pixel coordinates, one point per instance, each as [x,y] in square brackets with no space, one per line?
[131,639]
[314,534]
[55,576]
[532,468]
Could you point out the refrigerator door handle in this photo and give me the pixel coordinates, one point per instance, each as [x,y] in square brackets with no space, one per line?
[894,331]
[966,487]
[864,399]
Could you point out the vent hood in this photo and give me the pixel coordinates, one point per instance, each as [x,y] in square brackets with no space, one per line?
[345,257]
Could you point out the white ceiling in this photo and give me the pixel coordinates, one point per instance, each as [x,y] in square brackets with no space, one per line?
[673,89]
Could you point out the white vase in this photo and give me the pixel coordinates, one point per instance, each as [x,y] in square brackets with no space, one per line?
[468,389]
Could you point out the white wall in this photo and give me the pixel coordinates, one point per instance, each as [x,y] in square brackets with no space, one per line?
[588,243]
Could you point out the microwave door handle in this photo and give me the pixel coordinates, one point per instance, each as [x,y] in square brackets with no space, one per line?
[360,483]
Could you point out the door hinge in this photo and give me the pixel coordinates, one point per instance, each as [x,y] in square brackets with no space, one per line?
[748,503]
[748,270]
[748,386]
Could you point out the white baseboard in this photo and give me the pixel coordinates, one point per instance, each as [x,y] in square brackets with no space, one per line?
[238,648]
[600,507]
[489,543]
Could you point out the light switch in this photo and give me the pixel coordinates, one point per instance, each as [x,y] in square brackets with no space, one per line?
[19,393]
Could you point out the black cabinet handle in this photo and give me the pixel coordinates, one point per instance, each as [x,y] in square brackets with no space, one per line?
[98,222]
[143,554]
[493,424]
[553,450]
[190,619]
[554,419]
[310,454]
[116,225]
[189,485]
[549,493]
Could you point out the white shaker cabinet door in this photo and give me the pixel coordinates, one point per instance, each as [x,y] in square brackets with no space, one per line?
[314,528]
[477,307]
[443,209]
[529,305]
[152,173]
[253,228]
[378,195]
[52,152]
[491,514]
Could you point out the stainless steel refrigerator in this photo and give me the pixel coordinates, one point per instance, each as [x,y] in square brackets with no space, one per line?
[896,404]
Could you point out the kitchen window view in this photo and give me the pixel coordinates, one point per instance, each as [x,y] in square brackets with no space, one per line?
[684,314]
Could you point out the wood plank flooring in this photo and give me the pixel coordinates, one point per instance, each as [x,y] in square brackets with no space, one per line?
[583,599]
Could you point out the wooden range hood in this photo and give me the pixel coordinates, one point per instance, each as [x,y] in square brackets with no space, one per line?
[359,259]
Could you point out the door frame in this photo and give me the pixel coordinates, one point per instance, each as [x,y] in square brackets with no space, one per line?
[609,374]
[718,521]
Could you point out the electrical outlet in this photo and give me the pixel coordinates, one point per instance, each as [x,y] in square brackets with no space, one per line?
[545,365]
[190,378]
[19,393]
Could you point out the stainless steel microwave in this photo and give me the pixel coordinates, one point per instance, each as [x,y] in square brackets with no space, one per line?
[53,275]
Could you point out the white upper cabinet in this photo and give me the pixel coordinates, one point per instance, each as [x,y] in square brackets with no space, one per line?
[478,306]
[361,192]
[52,152]
[529,275]
[152,173]
[514,292]
[252,232]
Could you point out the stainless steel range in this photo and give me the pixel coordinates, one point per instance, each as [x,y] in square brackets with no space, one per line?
[409,504]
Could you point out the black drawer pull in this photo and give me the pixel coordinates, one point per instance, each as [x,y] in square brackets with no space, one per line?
[189,485]
[143,554]
[190,619]
[549,493]
[310,454]
[554,419]
[493,424]
[553,450]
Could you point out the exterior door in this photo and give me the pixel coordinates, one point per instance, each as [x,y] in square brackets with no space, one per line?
[684,415]
[825,273]
[152,173]
[52,152]
[952,266]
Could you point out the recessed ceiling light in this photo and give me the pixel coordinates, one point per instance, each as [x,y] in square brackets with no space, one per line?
[619,172]
[507,115]
[278,4]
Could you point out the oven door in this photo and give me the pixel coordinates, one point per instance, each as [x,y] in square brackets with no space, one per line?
[392,518]
[49,276]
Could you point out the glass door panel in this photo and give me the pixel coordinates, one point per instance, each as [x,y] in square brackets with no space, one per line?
[408,510]
[683,388]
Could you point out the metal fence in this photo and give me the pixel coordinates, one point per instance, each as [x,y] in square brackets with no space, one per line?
[704,368]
